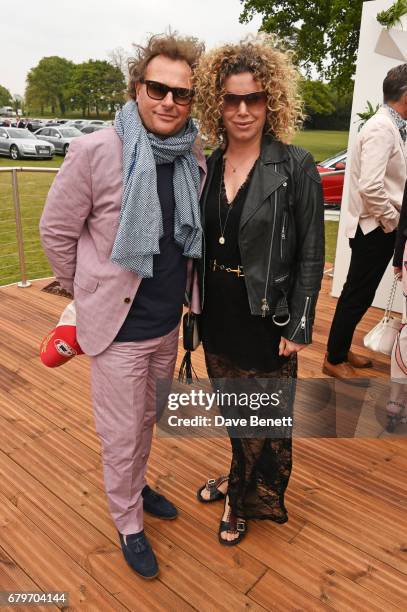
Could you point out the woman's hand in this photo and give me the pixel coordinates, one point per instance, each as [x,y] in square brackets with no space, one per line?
[287,347]
[398,272]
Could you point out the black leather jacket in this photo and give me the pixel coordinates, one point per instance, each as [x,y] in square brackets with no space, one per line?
[281,237]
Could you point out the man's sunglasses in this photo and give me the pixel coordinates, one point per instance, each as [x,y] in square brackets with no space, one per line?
[232,101]
[158,91]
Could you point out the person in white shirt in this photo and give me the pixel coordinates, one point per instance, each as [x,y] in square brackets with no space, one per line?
[377,177]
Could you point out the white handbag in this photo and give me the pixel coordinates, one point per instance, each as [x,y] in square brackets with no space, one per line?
[381,338]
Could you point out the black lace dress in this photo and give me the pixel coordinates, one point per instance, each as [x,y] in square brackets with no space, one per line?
[240,345]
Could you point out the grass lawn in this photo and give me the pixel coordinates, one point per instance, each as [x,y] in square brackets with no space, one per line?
[322,143]
[33,189]
[331,232]
[55,162]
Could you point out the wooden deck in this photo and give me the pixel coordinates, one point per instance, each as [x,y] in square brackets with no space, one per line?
[344,547]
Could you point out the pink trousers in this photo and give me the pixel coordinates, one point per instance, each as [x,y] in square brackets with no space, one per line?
[124,403]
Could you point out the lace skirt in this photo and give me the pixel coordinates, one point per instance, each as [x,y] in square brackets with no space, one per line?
[260,467]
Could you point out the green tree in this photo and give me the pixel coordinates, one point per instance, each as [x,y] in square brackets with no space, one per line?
[339,117]
[96,84]
[5,96]
[48,83]
[318,98]
[324,33]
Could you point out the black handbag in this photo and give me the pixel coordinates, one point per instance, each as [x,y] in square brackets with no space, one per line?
[191,331]
[191,339]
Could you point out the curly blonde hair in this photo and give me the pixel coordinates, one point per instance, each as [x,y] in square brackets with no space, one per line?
[269,65]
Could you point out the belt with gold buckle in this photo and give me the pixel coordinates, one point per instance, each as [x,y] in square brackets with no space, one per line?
[215,266]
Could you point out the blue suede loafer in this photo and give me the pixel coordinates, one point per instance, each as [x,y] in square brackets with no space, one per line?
[156,504]
[139,555]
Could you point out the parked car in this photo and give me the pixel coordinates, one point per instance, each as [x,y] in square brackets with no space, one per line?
[78,123]
[19,142]
[332,186]
[88,129]
[7,111]
[37,124]
[60,137]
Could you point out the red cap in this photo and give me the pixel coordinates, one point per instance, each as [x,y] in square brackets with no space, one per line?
[59,346]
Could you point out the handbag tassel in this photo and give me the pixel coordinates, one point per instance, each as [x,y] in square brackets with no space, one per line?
[186,370]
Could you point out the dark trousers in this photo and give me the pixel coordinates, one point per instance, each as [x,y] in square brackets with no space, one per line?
[371,254]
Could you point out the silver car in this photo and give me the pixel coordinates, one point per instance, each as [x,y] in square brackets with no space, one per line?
[60,137]
[78,123]
[19,142]
[89,129]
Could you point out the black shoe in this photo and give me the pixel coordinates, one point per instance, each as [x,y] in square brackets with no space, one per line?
[156,504]
[139,555]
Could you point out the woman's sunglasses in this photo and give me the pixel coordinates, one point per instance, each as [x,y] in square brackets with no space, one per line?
[158,91]
[252,100]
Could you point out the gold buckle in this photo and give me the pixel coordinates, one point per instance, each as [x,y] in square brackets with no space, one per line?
[238,271]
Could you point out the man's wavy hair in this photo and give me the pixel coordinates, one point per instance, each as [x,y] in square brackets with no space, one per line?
[270,65]
[171,45]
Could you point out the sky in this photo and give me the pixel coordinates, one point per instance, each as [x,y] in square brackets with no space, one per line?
[82,29]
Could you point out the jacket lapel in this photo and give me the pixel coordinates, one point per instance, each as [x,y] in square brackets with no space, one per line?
[209,177]
[265,181]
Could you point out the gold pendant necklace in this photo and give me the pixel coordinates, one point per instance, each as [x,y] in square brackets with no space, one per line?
[222,228]
[232,166]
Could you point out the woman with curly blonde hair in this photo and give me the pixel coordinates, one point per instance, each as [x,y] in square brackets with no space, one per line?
[262,216]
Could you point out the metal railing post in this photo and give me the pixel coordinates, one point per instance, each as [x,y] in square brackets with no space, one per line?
[19,230]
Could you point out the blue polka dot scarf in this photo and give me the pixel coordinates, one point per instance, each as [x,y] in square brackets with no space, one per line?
[141,227]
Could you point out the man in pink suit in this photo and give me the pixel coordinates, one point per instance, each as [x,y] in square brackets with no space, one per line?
[120,228]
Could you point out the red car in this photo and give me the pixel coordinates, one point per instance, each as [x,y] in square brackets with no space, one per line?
[333,185]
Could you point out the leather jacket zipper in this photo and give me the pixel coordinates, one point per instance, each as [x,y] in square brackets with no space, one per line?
[264,303]
[303,321]
[203,264]
[283,235]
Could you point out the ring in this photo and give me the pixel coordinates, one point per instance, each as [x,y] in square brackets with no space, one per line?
[279,323]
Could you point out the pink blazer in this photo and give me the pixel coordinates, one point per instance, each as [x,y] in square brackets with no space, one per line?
[78,228]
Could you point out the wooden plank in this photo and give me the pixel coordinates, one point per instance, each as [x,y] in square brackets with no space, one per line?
[30,367]
[378,535]
[189,535]
[76,420]
[49,566]
[88,547]
[353,563]
[277,593]
[180,571]
[316,578]
[383,488]
[13,579]
[23,420]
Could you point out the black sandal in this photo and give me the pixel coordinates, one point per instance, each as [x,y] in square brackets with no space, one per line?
[212,485]
[233,525]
